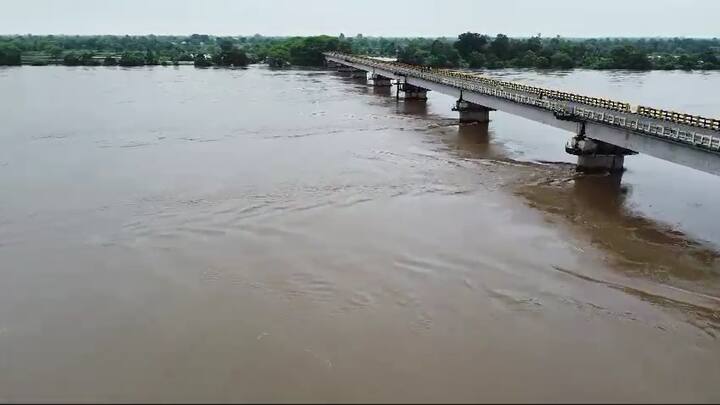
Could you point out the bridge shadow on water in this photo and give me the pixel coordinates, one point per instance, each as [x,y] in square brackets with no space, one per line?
[475,141]
[596,208]
[469,141]
[684,273]
[382,91]
[412,107]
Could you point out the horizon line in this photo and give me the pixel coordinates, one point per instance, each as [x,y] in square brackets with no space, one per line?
[367,36]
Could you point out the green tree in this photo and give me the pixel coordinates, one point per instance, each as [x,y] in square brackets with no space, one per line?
[542,62]
[443,55]
[501,46]
[687,62]
[562,60]
[476,60]
[55,52]
[709,60]
[534,44]
[474,49]
[201,60]
[629,57]
[469,43]
[237,57]
[413,55]
[132,59]
[278,56]
[86,59]
[309,51]
[72,59]
[10,55]
[110,61]
[230,55]
[529,59]
[151,58]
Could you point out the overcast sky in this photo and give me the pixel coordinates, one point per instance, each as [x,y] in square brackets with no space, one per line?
[579,18]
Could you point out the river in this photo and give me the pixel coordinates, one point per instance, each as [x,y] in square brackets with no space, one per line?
[181,234]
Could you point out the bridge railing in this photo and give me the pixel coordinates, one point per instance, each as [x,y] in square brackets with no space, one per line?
[410,69]
[686,119]
[672,116]
[612,112]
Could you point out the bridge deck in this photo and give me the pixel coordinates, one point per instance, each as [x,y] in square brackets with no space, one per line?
[689,140]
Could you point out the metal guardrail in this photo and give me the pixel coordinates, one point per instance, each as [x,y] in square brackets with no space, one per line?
[680,118]
[615,113]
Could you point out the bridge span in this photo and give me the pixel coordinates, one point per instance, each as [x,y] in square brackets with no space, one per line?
[605,131]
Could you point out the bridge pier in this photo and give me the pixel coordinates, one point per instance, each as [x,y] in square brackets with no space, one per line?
[597,156]
[354,73]
[471,113]
[380,81]
[358,74]
[411,92]
[595,163]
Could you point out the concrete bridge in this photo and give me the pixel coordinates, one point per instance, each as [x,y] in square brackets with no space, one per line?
[605,131]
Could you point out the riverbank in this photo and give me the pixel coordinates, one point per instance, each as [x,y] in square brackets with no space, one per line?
[468,50]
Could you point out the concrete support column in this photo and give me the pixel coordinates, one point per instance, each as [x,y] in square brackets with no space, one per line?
[597,156]
[411,92]
[380,81]
[353,72]
[600,163]
[358,74]
[471,113]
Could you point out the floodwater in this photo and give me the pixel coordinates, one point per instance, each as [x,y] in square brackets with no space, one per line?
[173,234]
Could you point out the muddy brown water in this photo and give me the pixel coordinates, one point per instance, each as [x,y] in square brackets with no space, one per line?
[173,234]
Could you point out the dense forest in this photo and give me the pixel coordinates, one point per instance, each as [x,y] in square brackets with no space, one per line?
[468,50]
[480,51]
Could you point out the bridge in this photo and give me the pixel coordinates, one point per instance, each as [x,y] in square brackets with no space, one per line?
[605,131]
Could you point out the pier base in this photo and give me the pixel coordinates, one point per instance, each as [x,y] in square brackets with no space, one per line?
[380,81]
[597,156]
[358,74]
[601,163]
[472,113]
[411,92]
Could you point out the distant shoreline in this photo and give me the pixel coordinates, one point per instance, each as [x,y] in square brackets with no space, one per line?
[469,50]
[293,67]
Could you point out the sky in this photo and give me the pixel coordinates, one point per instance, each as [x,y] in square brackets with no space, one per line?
[429,18]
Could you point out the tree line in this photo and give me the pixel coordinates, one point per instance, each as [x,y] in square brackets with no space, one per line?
[475,50]
[468,50]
